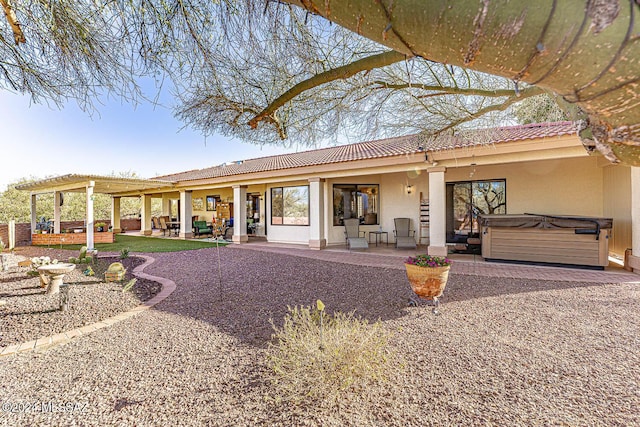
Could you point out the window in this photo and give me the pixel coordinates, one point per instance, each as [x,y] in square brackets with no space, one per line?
[356,201]
[290,205]
[467,200]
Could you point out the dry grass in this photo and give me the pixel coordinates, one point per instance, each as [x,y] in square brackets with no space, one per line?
[320,357]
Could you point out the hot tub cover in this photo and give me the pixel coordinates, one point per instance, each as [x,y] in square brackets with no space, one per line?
[545,221]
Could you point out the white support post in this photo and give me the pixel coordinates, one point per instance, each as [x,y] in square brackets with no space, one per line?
[328,206]
[34,215]
[240,214]
[90,219]
[186,213]
[115,214]
[316,214]
[145,215]
[12,234]
[57,197]
[437,212]
[166,205]
[634,259]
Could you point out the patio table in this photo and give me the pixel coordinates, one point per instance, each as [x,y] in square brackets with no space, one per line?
[378,235]
[175,226]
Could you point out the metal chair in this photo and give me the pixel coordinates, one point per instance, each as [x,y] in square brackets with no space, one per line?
[405,237]
[164,227]
[353,235]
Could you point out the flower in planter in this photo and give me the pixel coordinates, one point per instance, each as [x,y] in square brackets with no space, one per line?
[428,261]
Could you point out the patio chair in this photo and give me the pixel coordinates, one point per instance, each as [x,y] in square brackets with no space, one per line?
[201,227]
[228,234]
[353,235]
[155,222]
[405,237]
[164,227]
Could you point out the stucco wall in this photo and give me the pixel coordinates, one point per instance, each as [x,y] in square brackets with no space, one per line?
[617,205]
[554,187]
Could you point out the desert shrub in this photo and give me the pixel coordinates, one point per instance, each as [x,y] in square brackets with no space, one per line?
[316,356]
[124,253]
[129,285]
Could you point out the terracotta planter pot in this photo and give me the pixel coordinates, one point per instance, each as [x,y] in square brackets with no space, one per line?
[427,282]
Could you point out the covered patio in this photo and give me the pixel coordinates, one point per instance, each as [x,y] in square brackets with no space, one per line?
[89,185]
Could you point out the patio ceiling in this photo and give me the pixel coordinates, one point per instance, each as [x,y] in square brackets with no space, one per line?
[102,184]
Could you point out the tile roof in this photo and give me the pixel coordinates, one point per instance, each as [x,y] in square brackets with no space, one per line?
[381,148]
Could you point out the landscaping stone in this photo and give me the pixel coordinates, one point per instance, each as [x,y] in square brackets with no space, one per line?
[504,351]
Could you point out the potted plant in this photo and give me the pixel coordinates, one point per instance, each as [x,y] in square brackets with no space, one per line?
[428,276]
[100,226]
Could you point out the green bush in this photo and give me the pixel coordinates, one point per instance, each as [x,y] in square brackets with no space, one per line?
[73,260]
[320,357]
[124,253]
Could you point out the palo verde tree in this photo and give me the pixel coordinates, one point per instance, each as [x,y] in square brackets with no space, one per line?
[270,70]
[587,52]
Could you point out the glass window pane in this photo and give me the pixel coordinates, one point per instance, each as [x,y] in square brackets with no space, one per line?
[462,208]
[276,206]
[296,205]
[467,200]
[355,201]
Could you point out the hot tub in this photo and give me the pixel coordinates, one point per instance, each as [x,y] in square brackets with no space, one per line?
[550,239]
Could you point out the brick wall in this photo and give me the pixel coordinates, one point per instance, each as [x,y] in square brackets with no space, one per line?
[51,239]
[23,234]
[131,224]
[23,230]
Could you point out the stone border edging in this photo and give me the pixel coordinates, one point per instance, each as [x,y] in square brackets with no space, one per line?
[168,286]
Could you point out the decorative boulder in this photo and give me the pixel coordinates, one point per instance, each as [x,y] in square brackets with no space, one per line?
[115,272]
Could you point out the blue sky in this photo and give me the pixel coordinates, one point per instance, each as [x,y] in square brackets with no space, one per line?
[41,141]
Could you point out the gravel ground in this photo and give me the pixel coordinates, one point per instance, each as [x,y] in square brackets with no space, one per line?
[503,351]
[29,313]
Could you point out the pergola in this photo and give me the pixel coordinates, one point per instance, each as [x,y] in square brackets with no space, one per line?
[89,184]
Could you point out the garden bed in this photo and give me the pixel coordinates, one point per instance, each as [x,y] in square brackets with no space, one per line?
[29,313]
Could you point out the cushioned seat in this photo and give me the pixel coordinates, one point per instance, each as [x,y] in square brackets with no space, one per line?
[353,235]
[405,237]
[201,227]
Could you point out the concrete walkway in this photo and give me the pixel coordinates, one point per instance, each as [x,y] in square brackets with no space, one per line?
[463,264]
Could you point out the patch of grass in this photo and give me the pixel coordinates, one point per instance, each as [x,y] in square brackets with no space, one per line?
[319,357]
[147,244]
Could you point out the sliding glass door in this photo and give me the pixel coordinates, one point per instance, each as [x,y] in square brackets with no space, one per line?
[466,200]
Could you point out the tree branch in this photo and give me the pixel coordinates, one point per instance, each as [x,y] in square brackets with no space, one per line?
[529,92]
[340,73]
[449,90]
[18,35]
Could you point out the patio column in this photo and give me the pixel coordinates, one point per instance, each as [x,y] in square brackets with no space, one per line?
[57,197]
[186,213]
[166,205]
[115,214]
[634,259]
[34,214]
[437,212]
[145,215]
[316,214]
[240,214]
[89,191]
